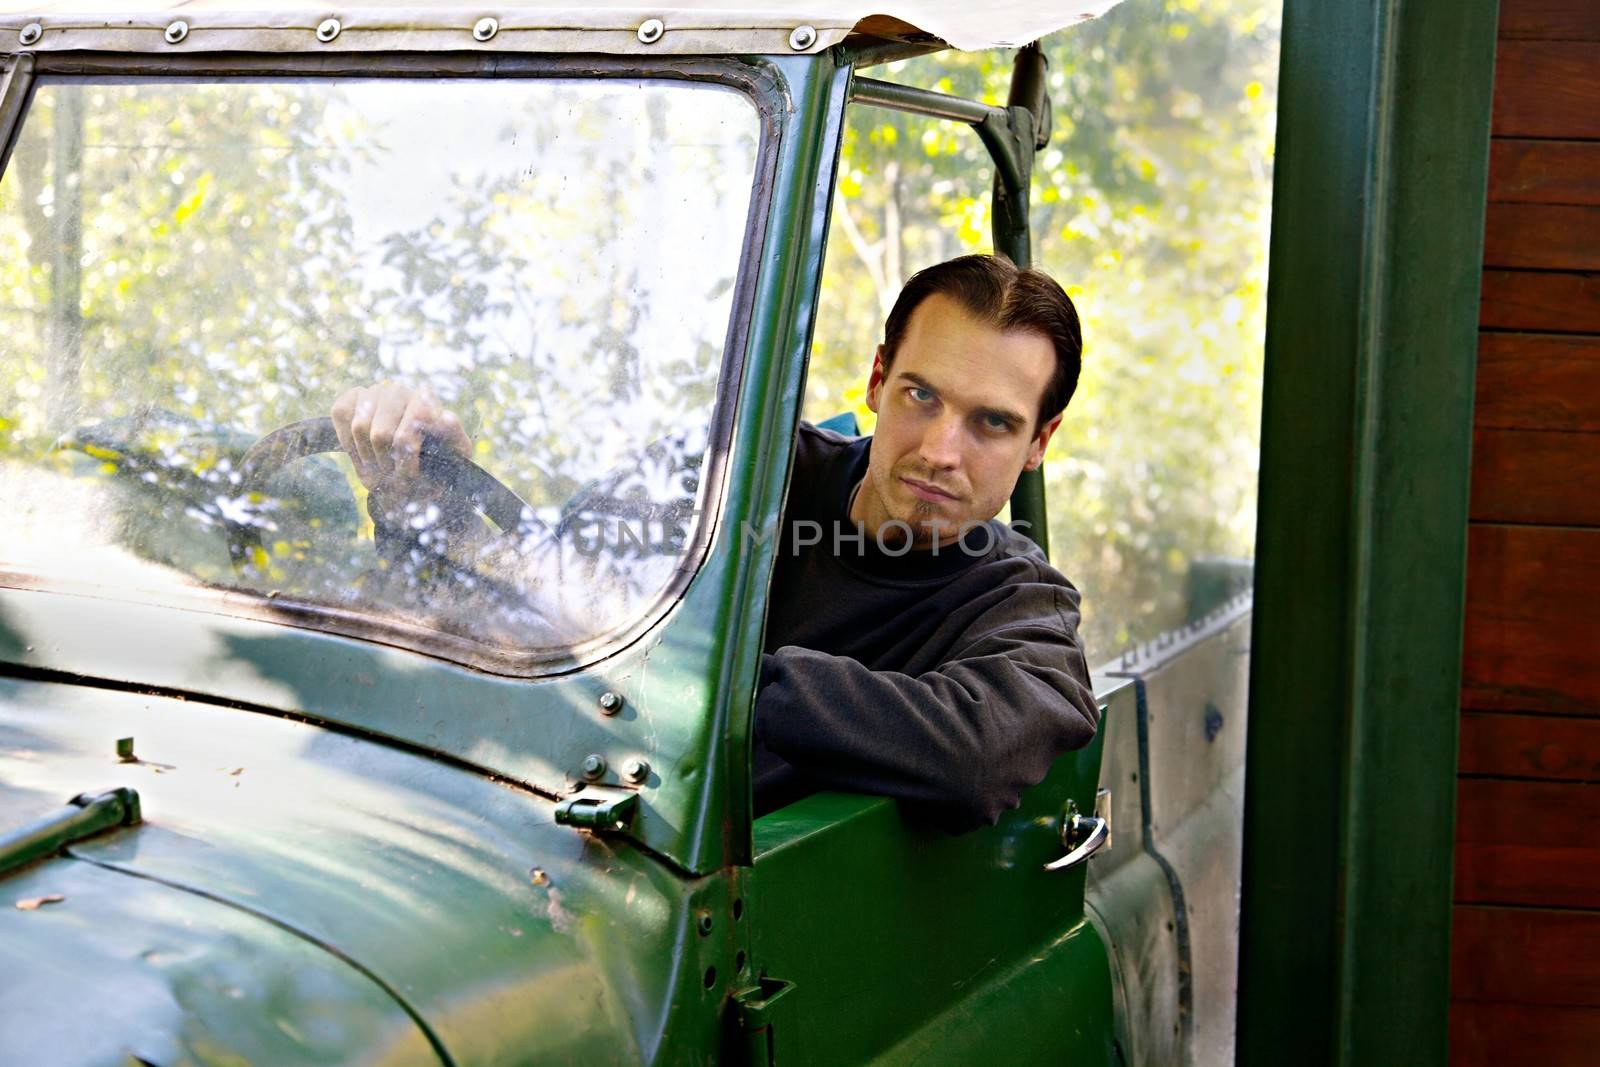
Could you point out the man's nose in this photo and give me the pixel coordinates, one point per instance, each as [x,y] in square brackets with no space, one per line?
[941,444]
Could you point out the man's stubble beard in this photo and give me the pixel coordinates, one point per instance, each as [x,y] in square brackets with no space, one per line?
[923,512]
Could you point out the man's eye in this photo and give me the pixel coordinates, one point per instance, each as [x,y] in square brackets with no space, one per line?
[921,395]
[996,423]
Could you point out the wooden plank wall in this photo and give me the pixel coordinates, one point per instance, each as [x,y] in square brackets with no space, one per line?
[1526,943]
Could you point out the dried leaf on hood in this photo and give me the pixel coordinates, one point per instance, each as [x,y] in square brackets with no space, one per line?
[35,903]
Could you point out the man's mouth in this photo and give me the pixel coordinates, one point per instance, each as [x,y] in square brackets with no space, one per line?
[931,493]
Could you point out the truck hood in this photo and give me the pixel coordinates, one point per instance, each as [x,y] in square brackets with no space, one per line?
[103,968]
[293,888]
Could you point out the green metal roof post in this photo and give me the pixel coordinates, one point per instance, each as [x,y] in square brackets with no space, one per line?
[1029,85]
[1378,207]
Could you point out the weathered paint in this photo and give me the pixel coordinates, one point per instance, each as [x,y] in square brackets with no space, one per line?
[456,896]
[126,967]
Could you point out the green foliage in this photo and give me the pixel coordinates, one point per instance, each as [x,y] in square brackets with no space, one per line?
[215,269]
[1151,205]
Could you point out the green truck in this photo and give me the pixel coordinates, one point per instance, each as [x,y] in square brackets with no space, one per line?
[272,793]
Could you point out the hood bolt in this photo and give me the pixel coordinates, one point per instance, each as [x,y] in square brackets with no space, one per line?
[610,703]
[594,766]
[636,770]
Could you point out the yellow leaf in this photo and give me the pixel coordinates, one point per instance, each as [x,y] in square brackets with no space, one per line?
[190,206]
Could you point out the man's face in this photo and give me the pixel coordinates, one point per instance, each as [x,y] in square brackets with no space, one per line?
[956,412]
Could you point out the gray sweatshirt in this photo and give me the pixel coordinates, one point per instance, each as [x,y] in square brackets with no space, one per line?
[948,679]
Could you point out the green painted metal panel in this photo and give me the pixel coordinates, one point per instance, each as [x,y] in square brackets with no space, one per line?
[769,416]
[122,967]
[1371,333]
[497,929]
[887,929]
[1050,1007]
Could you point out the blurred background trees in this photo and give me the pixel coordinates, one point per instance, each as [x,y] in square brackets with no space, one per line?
[1151,206]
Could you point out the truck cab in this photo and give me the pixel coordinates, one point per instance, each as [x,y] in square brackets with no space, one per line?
[284,780]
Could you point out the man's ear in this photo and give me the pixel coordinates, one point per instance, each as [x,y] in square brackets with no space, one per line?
[875,381]
[1041,441]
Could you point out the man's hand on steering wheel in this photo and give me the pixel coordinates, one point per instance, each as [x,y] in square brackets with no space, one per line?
[383,427]
[425,495]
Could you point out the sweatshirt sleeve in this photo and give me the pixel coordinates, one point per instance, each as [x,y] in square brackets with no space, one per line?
[961,741]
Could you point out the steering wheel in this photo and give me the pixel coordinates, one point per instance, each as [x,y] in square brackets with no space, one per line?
[445,467]
[459,477]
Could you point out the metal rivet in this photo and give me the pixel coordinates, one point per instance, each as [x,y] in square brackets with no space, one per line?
[650,31]
[485,29]
[610,703]
[31,33]
[594,766]
[177,32]
[636,770]
[328,29]
[802,38]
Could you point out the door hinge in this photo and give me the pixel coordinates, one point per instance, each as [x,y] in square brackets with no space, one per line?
[753,1010]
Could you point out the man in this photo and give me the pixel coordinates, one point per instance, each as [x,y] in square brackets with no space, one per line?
[915,647]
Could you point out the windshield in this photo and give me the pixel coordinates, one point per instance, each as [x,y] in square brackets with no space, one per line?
[186,266]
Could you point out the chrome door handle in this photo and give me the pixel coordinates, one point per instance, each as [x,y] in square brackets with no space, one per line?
[1082,836]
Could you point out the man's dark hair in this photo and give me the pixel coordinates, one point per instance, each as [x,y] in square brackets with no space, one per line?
[993,290]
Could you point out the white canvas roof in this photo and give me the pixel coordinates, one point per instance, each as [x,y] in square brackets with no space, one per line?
[703,26]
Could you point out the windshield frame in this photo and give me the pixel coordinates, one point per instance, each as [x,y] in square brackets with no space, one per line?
[761,86]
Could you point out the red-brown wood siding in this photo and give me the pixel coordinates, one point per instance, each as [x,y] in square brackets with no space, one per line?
[1526,945]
